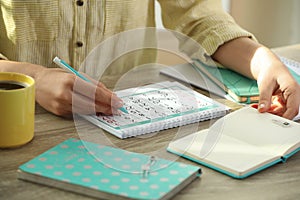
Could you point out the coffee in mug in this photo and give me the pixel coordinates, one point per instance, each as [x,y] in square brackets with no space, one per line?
[11,85]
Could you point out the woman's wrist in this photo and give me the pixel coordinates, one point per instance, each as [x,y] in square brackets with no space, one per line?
[21,67]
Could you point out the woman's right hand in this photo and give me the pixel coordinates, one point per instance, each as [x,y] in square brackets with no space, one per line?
[63,93]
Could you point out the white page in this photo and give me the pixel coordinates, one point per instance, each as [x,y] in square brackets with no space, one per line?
[227,153]
[263,130]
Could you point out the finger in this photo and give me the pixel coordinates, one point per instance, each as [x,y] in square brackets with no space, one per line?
[115,101]
[291,96]
[98,83]
[110,97]
[276,107]
[276,110]
[84,105]
[266,88]
[292,107]
[290,113]
[98,93]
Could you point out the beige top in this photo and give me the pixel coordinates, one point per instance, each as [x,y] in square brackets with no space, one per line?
[37,31]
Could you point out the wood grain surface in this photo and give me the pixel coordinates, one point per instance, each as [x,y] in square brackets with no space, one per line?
[281,181]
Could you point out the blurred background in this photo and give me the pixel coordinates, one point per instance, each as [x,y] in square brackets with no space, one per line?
[275,23]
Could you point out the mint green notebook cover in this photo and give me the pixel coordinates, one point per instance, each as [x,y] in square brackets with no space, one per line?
[117,173]
[237,83]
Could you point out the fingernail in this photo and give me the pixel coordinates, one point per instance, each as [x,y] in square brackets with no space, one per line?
[120,104]
[117,102]
[117,112]
[262,106]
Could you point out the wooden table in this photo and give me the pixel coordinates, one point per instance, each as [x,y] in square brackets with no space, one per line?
[278,182]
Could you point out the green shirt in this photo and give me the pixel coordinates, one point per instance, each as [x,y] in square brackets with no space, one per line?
[37,31]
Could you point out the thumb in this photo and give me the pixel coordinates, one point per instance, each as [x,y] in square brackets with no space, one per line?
[265,97]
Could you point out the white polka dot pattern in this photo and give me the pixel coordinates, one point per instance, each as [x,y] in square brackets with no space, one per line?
[72,162]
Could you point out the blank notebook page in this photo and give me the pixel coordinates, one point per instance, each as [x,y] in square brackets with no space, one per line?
[233,155]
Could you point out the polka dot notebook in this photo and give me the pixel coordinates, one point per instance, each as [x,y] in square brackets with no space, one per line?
[106,172]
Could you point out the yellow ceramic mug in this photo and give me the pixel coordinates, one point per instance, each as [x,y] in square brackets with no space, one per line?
[17,104]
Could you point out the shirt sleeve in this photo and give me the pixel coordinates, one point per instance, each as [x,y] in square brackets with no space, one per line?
[205,21]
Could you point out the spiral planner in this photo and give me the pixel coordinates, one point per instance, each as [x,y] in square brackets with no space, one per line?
[293,66]
[157,107]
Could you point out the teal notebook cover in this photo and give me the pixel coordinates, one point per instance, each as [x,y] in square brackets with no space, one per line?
[107,172]
[224,171]
[283,159]
[236,84]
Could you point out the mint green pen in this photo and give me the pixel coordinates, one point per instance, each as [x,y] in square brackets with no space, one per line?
[62,64]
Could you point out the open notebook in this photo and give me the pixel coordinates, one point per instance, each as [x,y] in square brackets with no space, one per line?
[242,143]
[107,173]
[156,107]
